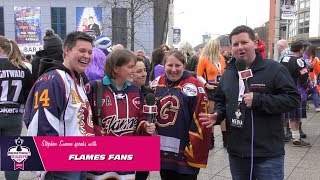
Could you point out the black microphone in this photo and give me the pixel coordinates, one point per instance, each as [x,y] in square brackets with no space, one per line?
[243,72]
[150,108]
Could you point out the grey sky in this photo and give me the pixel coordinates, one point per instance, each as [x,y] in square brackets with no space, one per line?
[217,17]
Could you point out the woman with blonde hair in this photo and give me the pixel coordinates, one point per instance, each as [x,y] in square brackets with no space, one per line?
[16,82]
[209,71]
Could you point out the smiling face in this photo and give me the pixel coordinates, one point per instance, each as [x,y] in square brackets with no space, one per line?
[125,72]
[243,47]
[173,68]
[140,74]
[78,58]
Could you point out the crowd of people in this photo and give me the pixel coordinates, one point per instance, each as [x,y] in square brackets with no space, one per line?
[58,93]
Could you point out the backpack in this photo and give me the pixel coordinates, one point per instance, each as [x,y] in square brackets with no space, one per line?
[99,101]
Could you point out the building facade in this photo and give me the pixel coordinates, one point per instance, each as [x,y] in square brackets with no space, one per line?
[26,21]
[305,24]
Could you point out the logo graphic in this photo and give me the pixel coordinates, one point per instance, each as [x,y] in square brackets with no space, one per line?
[238,113]
[19,154]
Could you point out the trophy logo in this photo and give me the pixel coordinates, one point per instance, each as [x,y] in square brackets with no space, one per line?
[19,154]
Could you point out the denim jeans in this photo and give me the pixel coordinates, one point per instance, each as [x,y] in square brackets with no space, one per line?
[269,168]
[315,95]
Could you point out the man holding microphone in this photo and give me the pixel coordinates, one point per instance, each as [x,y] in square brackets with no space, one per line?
[252,95]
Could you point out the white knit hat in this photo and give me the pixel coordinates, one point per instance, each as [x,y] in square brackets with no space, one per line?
[102,42]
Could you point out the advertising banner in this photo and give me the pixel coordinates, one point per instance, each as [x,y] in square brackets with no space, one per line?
[27,29]
[288,9]
[43,153]
[176,36]
[89,19]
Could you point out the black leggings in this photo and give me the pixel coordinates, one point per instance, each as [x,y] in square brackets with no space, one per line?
[173,175]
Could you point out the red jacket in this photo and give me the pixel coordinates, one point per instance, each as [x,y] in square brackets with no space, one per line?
[261,47]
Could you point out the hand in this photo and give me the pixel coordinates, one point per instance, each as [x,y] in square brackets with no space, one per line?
[150,127]
[247,98]
[209,86]
[208,119]
[103,132]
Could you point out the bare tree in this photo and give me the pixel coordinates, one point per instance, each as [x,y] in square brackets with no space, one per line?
[137,14]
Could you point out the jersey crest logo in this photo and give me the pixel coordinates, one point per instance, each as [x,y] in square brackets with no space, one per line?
[119,127]
[169,111]
[136,102]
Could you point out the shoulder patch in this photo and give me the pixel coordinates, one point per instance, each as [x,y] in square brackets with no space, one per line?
[189,89]
[286,59]
[300,62]
[201,90]
[155,82]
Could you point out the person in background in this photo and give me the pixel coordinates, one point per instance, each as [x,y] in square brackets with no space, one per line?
[52,49]
[261,46]
[283,49]
[139,80]
[117,88]
[147,64]
[15,87]
[184,141]
[253,116]
[58,96]
[103,43]
[191,58]
[315,62]
[95,69]
[117,46]
[157,67]
[210,69]
[226,56]
[26,59]
[165,48]
[300,74]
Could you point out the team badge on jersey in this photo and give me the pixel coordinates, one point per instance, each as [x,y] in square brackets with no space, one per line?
[300,62]
[154,83]
[189,89]
[136,102]
[201,90]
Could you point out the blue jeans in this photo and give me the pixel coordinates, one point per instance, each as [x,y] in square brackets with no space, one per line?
[269,168]
[315,95]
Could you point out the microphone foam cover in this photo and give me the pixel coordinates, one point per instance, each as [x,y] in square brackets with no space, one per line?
[150,99]
[240,64]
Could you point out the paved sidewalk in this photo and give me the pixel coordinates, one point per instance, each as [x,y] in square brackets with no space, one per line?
[300,163]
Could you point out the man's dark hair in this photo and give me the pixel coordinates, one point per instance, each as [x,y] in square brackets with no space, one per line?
[242,29]
[304,42]
[296,46]
[71,39]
